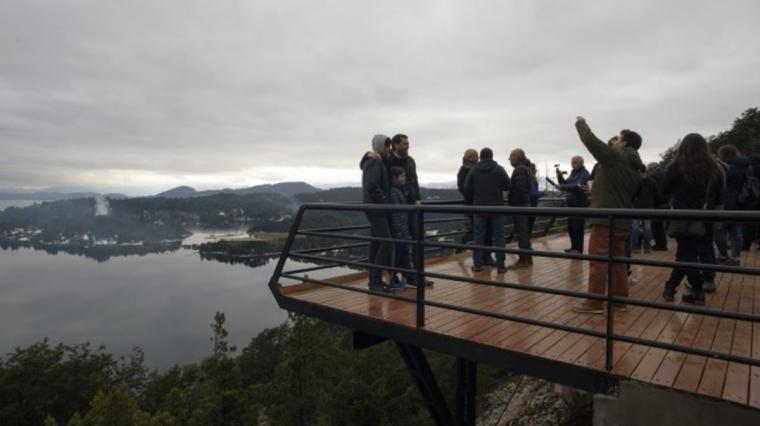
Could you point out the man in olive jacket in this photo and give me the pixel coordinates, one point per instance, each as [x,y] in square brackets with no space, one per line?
[616,182]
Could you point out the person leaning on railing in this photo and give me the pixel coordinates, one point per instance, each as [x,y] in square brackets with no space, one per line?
[693,181]
[576,196]
[615,184]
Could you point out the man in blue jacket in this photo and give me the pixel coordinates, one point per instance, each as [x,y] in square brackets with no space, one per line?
[575,194]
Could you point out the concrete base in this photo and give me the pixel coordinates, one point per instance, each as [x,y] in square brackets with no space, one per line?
[639,404]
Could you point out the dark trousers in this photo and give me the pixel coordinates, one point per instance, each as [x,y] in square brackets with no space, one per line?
[751,233]
[481,225]
[687,250]
[576,227]
[379,252]
[520,224]
[707,254]
[660,235]
[402,259]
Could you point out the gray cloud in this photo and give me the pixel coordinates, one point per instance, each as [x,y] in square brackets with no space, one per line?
[156,93]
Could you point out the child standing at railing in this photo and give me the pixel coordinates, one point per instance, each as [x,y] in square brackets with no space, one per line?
[401,257]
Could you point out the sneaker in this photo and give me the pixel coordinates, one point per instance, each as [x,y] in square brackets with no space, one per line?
[620,307]
[572,251]
[477,268]
[398,286]
[429,283]
[694,299]
[501,270]
[721,260]
[669,294]
[655,248]
[733,261]
[632,280]
[489,261]
[587,308]
[646,250]
[709,287]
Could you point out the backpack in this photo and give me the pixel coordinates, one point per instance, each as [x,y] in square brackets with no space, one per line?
[750,192]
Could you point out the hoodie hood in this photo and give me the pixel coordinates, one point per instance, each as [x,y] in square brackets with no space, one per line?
[634,160]
[378,143]
[486,165]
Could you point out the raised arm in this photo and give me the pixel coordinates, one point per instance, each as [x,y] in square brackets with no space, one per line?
[599,150]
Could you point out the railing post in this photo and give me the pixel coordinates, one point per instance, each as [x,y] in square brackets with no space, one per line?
[274,282]
[610,306]
[419,263]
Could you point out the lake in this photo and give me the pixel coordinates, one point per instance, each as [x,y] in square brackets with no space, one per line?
[164,303]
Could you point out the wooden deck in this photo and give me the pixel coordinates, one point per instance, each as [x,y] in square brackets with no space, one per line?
[729,381]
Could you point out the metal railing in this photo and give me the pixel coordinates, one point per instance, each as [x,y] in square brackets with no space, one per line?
[424,243]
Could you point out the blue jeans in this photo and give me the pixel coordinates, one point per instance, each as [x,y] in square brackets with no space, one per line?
[635,233]
[481,224]
[735,232]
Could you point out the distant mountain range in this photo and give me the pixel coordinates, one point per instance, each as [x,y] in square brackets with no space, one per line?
[48,195]
[287,189]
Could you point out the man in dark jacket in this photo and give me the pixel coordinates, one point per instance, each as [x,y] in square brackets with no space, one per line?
[576,196]
[738,170]
[486,184]
[376,190]
[616,182]
[659,227]
[469,160]
[752,230]
[400,158]
[519,196]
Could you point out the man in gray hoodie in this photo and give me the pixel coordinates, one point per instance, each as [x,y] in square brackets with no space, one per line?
[376,190]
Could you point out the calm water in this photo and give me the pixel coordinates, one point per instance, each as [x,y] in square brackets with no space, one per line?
[161,302]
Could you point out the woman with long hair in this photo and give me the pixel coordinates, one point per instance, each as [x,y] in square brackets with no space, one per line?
[693,181]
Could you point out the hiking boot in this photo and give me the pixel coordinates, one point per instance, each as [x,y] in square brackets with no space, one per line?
[523,263]
[694,298]
[709,287]
[587,308]
[489,261]
[669,294]
[380,287]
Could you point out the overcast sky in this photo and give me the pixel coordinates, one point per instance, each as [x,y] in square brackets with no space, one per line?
[147,95]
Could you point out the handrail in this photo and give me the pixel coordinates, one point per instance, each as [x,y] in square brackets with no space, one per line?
[426,243]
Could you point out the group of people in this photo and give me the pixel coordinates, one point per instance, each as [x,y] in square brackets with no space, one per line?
[695,179]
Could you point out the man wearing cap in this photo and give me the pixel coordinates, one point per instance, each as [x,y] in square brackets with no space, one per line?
[616,182]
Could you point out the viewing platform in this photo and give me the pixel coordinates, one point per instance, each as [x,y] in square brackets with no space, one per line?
[522,321]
